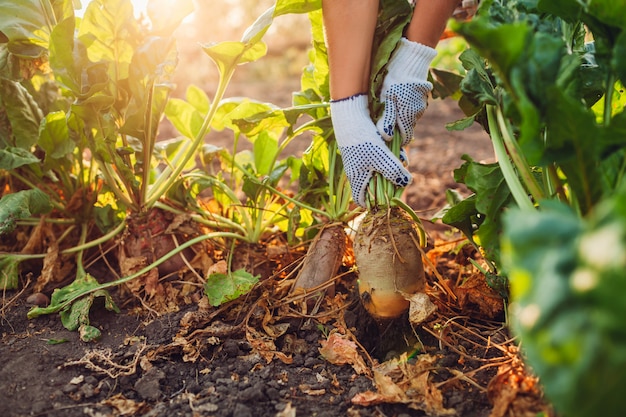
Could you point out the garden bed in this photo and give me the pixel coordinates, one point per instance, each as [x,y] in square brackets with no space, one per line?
[264,355]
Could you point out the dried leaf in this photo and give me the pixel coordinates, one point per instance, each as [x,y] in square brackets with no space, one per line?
[339,350]
[124,406]
[220,267]
[475,294]
[420,308]
[36,238]
[514,393]
[272,330]
[266,347]
[314,392]
[398,381]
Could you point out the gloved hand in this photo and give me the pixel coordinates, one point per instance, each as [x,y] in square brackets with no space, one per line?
[405,89]
[362,149]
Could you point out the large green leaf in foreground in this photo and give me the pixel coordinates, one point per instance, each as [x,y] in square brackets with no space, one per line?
[568,282]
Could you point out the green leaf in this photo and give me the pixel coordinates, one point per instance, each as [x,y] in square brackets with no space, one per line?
[253,118]
[108,30]
[12,158]
[568,140]
[56,341]
[265,152]
[227,55]
[88,333]
[479,216]
[462,215]
[54,136]
[21,205]
[566,9]
[502,45]
[221,288]
[9,271]
[296,6]
[73,303]
[66,57]
[22,111]
[610,12]
[168,149]
[619,57]
[256,31]
[394,17]
[198,99]
[567,282]
[446,83]
[27,24]
[77,314]
[184,116]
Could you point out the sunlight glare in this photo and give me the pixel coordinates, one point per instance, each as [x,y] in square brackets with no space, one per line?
[139,7]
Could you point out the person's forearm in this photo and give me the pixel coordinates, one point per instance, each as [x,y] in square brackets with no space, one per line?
[429,20]
[349,28]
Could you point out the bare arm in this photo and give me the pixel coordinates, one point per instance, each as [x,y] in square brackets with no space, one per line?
[429,20]
[349,28]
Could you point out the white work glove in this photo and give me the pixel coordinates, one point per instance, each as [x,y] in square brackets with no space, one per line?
[362,149]
[405,89]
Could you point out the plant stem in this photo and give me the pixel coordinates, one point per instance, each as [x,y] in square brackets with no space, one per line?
[78,248]
[37,311]
[169,176]
[517,157]
[517,190]
[608,99]
[422,233]
[148,145]
[219,222]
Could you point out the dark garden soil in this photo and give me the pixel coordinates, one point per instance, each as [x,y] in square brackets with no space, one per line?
[271,354]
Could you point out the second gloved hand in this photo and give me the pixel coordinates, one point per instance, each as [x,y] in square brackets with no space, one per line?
[362,149]
[405,89]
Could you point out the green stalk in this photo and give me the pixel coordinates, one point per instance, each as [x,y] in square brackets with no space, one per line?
[54,197]
[517,157]
[78,248]
[381,191]
[220,222]
[169,175]
[608,100]
[338,196]
[112,179]
[148,146]
[517,189]
[304,127]
[111,182]
[296,202]
[38,311]
[79,255]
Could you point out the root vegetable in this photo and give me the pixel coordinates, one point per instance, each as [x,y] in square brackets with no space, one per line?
[322,260]
[148,237]
[389,261]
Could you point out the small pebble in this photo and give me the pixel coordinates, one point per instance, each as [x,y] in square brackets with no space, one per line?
[38,299]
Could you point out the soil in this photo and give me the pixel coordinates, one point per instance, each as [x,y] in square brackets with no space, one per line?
[269,353]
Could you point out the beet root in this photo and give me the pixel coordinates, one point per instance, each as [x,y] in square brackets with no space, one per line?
[389,262]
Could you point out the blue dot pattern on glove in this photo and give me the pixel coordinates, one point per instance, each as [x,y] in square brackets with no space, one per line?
[361,160]
[404,105]
[362,148]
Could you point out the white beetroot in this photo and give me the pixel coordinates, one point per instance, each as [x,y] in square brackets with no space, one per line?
[389,261]
[322,260]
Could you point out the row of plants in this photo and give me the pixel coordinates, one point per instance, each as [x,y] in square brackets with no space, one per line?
[546,79]
[108,79]
[81,104]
